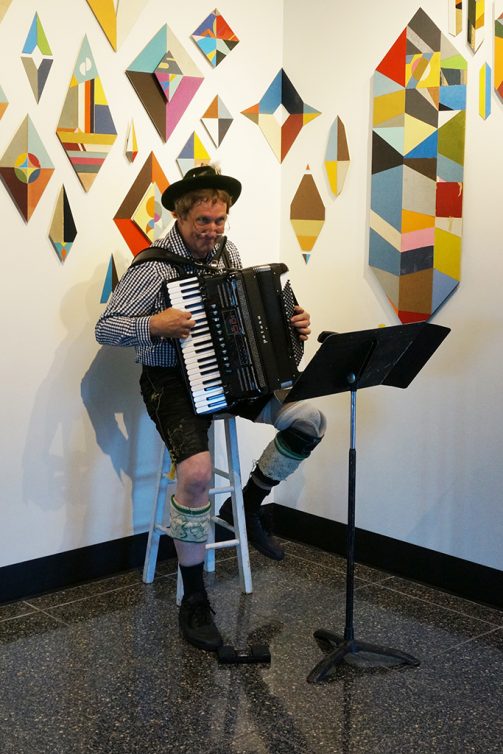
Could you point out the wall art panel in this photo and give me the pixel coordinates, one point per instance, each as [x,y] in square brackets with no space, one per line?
[37,57]
[215,38]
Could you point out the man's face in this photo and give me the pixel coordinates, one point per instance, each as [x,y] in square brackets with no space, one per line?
[202,226]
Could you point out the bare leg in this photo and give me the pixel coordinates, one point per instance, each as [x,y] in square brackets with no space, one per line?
[193,482]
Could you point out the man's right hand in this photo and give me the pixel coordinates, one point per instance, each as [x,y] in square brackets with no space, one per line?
[171,323]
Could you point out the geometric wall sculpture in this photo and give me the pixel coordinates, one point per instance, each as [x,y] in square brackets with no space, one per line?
[217,120]
[4,102]
[37,57]
[498,55]
[4,6]
[215,38]
[141,218]
[475,23]
[337,156]
[455,17]
[281,114]
[131,144]
[419,91]
[26,168]
[165,79]
[63,231]
[116,18]
[193,154]
[485,89]
[86,129]
[111,280]
[307,214]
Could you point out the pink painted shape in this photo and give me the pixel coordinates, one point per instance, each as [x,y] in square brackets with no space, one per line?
[418,239]
[176,107]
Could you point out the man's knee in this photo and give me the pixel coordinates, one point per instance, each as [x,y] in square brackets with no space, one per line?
[194,476]
[302,417]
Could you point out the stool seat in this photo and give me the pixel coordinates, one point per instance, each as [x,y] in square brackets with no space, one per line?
[159,524]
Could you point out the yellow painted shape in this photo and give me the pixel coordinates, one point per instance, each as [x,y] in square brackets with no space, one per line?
[336,173]
[307,232]
[498,62]
[412,221]
[104,10]
[200,152]
[447,254]
[80,137]
[99,94]
[388,106]
[415,132]
[425,72]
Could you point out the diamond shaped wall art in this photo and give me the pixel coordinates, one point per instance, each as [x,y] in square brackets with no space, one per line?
[215,38]
[307,214]
[165,79]
[4,7]
[475,23]
[131,144]
[498,55]
[116,17]
[86,129]
[26,168]
[485,88]
[63,231]
[111,280]
[281,114]
[4,103]
[337,156]
[37,57]
[455,17]
[193,154]
[217,120]
[141,218]
[417,170]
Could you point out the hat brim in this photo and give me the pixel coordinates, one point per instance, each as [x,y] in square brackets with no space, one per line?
[220,182]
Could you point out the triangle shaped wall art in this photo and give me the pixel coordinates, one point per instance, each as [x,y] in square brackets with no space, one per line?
[111,280]
[418,143]
[281,114]
[215,38]
[193,154]
[131,144]
[475,23]
[26,168]
[63,232]
[307,214]
[498,55]
[165,79]
[37,57]
[4,103]
[116,17]
[86,129]
[141,218]
[217,120]
[337,156]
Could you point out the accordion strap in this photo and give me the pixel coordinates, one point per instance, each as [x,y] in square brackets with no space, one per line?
[161,254]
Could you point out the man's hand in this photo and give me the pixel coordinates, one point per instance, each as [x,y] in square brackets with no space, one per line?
[171,323]
[301,321]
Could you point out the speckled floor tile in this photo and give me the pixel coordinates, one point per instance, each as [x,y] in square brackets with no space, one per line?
[14,610]
[331,560]
[83,591]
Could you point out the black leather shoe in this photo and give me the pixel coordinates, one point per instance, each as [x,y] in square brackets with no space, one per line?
[196,623]
[258,536]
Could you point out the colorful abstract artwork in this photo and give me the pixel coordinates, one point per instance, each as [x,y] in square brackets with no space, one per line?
[485,89]
[498,55]
[141,218]
[418,139]
[215,38]
[116,17]
[193,154]
[62,232]
[217,120]
[307,214]
[37,57]
[86,129]
[4,7]
[4,103]
[26,168]
[337,156]
[165,79]
[475,23]
[281,114]
[111,280]
[455,17]
[131,143]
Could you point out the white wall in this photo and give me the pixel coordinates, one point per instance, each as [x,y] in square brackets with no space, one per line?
[78,454]
[429,469]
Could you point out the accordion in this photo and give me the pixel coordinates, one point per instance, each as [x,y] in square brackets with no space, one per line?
[242,345]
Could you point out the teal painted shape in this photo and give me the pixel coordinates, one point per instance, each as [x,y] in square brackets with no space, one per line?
[385,85]
[448,170]
[148,59]
[110,281]
[386,195]
[394,135]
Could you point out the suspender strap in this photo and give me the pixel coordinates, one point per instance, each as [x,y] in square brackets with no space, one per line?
[161,254]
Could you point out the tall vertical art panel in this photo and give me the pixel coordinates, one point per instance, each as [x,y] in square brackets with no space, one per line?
[475,23]
[4,103]
[498,55]
[307,214]
[37,57]
[419,91]
[86,129]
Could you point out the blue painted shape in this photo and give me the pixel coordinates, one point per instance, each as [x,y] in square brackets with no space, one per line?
[383,255]
[385,85]
[453,97]
[443,286]
[149,58]
[448,170]
[108,285]
[386,195]
[272,97]
[427,148]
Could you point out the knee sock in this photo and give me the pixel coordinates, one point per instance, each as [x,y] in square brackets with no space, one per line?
[193,580]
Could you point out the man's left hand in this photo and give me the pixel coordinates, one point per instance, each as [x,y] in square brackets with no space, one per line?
[302,322]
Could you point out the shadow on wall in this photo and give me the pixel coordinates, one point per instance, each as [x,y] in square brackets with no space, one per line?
[61,465]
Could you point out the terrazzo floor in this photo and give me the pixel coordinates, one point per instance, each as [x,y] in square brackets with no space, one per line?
[101,668]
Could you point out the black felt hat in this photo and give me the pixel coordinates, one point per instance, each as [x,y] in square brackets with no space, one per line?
[195,179]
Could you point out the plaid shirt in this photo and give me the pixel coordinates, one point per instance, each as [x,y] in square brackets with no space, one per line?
[139,295]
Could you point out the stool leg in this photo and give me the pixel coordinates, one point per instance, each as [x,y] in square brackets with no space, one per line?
[154,533]
[238,506]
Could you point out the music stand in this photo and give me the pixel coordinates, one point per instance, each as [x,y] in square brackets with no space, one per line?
[349,362]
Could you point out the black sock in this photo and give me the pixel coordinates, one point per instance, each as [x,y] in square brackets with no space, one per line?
[256,490]
[193,579]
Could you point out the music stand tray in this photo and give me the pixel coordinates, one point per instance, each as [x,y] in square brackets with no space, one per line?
[349,362]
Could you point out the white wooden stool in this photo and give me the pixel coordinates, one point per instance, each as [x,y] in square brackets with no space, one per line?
[160,519]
